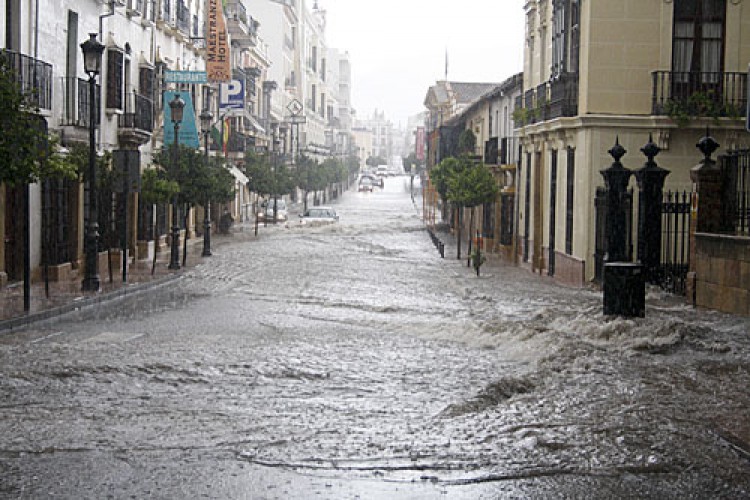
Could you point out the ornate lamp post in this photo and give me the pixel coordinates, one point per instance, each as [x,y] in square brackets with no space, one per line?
[176,107]
[92,64]
[206,117]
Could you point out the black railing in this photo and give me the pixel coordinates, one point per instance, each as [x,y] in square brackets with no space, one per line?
[529,104]
[699,94]
[518,108]
[490,151]
[542,100]
[139,113]
[563,99]
[77,105]
[33,76]
[736,165]
[509,150]
[675,242]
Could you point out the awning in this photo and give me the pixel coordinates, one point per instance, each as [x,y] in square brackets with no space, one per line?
[242,113]
[237,173]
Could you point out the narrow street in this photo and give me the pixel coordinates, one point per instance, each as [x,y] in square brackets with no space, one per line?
[350,361]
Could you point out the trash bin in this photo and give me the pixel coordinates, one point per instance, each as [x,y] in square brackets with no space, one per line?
[624,289]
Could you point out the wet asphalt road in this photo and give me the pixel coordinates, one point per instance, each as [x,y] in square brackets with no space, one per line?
[350,361]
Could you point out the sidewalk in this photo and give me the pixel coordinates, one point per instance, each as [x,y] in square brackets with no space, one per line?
[65,296]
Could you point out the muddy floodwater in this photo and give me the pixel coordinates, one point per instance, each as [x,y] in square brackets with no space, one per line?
[349,360]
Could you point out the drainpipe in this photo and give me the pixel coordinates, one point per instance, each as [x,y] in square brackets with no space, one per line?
[101,19]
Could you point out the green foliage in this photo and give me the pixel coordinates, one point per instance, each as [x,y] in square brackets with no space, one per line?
[257,168]
[155,188]
[467,142]
[198,181]
[374,161]
[352,164]
[441,173]
[700,105]
[473,186]
[310,176]
[27,154]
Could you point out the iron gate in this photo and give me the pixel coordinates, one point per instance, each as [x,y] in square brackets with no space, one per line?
[675,242]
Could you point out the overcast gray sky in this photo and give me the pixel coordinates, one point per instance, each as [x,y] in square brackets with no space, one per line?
[398,47]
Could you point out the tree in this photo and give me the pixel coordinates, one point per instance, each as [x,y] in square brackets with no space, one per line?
[374,161]
[27,154]
[469,187]
[155,188]
[198,182]
[467,142]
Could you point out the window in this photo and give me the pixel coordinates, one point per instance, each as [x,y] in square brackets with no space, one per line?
[570,184]
[146,81]
[115,65]
[552,213]
[698,37]
[565,37]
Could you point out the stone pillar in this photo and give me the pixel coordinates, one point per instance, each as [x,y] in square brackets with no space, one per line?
[650,180]
[616,178]
[707,177]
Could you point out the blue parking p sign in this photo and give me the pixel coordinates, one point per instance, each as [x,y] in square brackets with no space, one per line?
[232,95]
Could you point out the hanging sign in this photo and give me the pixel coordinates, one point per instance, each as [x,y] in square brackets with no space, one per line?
[217,44]
[188,130]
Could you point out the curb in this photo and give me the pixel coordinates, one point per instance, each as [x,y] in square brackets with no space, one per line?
[132,289]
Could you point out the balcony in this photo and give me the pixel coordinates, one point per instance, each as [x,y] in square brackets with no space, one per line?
[136,124]
[563,98]
[685,95]
[33,76]
[508,152]
[237,142]
[242,27]
[76,104]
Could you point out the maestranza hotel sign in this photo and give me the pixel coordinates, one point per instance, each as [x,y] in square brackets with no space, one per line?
[218,65]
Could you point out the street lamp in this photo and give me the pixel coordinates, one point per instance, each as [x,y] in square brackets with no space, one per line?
[206,116]
[176,107]
[92,64]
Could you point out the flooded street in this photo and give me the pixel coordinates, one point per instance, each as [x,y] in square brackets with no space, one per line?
[349,361]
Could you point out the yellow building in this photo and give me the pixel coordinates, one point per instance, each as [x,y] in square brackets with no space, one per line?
[598,70]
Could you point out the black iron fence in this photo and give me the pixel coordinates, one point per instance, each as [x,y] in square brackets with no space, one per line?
[714,94]
[33,76]
[58,214]
[675,242]
[736,167]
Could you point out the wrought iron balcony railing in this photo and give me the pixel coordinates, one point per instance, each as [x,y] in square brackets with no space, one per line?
[508,152]
[33,76]
[139,113]
[563,99]
[77,102]
[699,94]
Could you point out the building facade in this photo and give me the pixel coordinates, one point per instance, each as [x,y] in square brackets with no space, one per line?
[596,73]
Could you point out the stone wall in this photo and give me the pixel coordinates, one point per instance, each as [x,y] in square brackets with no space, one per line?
[722,272]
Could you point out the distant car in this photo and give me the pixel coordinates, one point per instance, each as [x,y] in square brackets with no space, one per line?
[366,183]
[319,215]
[266,212]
